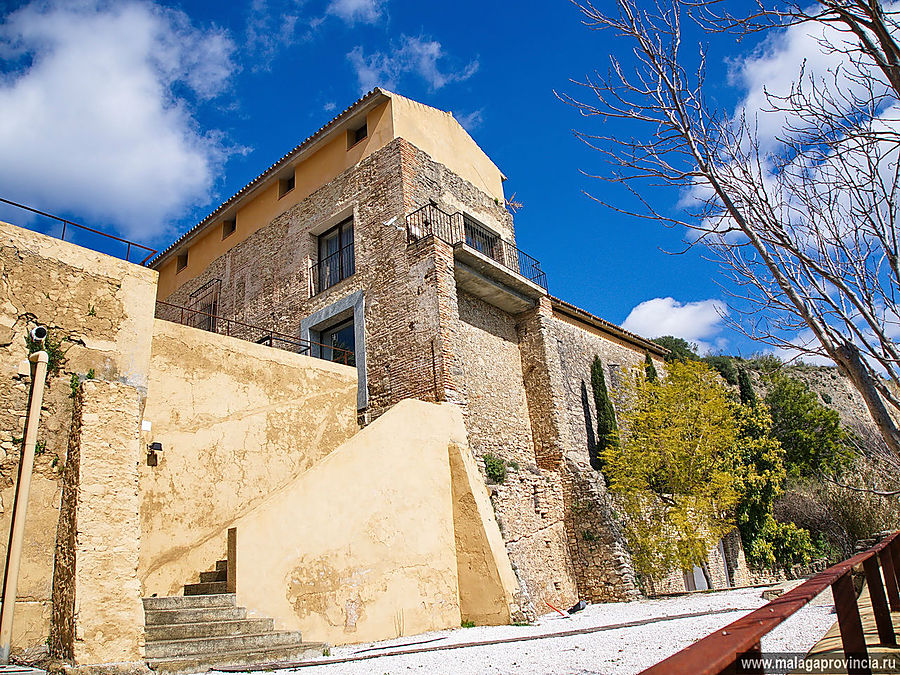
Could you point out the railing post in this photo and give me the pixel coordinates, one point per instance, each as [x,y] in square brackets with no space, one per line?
[879,602]
[231,562]
[852,636]
[753,655]
[890,577]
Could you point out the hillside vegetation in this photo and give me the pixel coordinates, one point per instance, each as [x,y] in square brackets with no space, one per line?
[785,453]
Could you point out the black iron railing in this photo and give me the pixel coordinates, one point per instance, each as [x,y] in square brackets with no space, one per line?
[458,228]
[196,318]
[69,227]
[332,269]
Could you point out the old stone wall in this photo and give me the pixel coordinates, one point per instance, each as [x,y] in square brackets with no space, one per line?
[108,613]
[236,420]
[96,308]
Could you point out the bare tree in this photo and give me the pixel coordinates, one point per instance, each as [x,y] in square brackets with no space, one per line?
[806,228]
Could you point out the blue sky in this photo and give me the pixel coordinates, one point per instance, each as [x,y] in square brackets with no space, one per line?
[139,117]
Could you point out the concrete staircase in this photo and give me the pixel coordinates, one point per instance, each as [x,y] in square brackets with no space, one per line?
[206,629]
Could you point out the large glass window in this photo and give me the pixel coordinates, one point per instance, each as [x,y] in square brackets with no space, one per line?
[338,341]
[336,259]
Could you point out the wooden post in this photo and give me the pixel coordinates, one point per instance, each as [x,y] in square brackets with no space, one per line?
[879,601]
[231,564]
[852,636]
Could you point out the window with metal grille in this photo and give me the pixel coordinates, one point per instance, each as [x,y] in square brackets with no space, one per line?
[205,305]
[336,256]
[480,238]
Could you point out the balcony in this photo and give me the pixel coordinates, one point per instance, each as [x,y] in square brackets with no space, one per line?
[486,265]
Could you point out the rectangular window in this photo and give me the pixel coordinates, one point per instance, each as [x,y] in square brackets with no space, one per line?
[336,257]
[228,228]
[356,135]
[285,185]
[205,303]
[181,261]
[339,343]
[480,238]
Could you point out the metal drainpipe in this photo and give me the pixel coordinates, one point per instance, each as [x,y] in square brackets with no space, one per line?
[39,362]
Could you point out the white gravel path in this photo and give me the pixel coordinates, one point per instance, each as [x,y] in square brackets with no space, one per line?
[617,651]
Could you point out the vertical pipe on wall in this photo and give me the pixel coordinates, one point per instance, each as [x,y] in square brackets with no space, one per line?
[39,361]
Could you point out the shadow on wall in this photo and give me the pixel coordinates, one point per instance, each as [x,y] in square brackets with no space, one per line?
[391,534]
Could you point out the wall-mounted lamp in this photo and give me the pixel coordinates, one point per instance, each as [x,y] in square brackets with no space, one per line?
[152,449]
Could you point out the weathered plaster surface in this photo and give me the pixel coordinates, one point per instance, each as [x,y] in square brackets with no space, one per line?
[99,307]
[371,551]
[237,421]
[107,615]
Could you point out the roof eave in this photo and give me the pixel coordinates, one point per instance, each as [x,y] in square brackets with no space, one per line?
[365,103]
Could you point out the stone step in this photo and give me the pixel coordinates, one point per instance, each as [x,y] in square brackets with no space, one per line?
[207,629]
[221,565]
[218,645]
[208,588]
[193,615]
[250,657]
[190,602]
[218,575]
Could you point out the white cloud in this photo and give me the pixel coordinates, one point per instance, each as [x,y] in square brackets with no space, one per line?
[272,25]
[96,111]
[353,11]
[414,55]
[471,121]
[693,321]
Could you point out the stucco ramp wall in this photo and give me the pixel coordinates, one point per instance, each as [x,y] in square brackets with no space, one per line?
[364,545]
[237,421]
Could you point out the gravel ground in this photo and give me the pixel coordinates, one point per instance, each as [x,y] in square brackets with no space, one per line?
[611,651]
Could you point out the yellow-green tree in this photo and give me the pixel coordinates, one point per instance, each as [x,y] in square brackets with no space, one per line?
[675,469]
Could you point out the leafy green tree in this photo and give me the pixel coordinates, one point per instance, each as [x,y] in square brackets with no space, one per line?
[811,434]
[725,367]
[767,542]
[679,348]
[748,395]
[675,471]
[607,428]
[650,370]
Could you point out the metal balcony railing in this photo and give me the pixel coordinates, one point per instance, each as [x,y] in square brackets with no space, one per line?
[196,318]
[332,269]
[458,228]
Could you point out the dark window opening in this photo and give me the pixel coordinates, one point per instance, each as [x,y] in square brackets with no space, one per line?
[205,305]
[354,136]
[228,227]
[285,185]
[480,238]
[181,261]
[337,341]
[336,257]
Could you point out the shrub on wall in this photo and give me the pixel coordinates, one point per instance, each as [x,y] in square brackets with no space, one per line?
[650,370]
[494,468]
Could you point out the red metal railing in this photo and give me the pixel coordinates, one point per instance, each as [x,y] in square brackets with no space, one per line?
[69,224]
[231,327]
[735,647]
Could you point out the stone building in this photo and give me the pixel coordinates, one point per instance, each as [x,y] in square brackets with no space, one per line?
[383,240]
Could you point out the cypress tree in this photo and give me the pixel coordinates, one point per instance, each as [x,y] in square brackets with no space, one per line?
[650,370]
[607,429]
[748,396]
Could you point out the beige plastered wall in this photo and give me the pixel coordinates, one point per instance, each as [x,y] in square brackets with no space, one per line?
[437,133]
[371,550]
[237,421]
[100,308]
